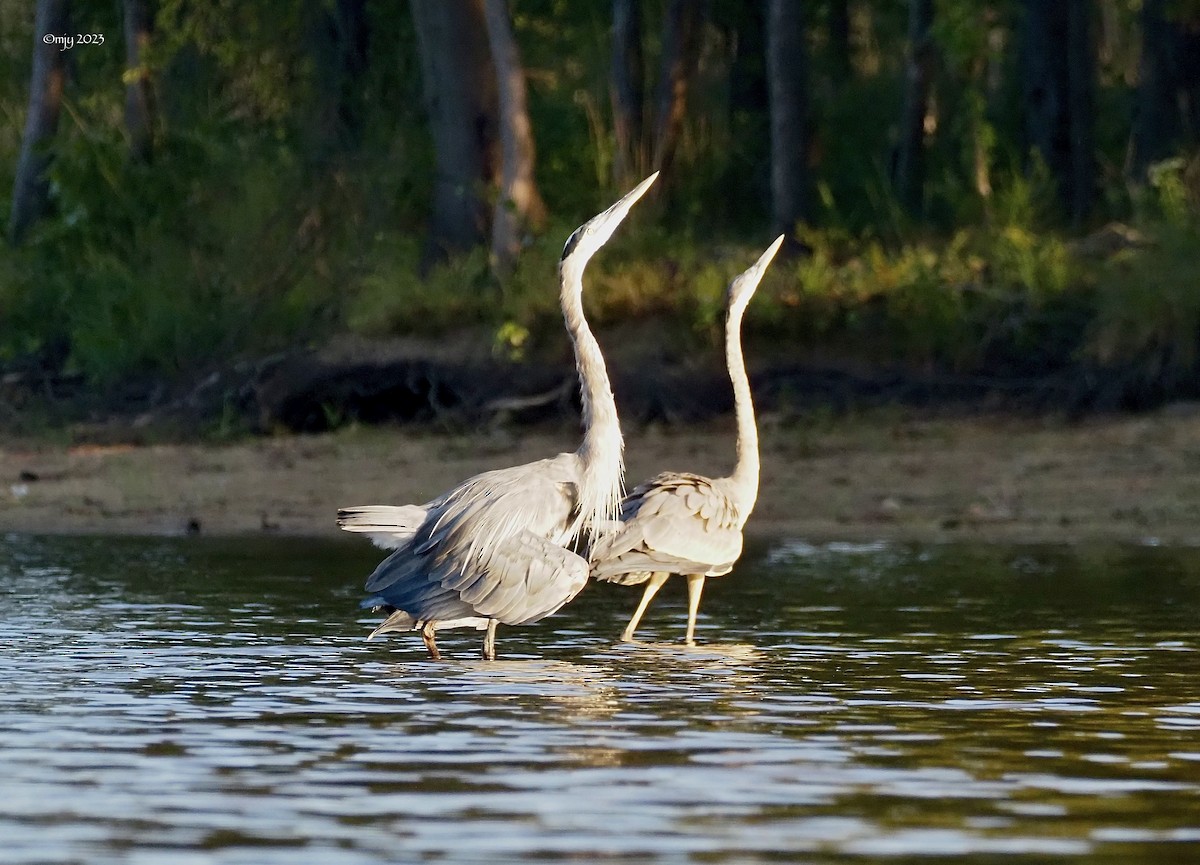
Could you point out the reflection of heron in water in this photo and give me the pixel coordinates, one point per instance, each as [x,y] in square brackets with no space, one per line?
[680,523]
[493,549]
[570,694]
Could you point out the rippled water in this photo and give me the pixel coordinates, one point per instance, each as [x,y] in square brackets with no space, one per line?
[188,701]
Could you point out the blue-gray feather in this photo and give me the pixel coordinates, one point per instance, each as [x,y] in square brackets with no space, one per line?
[492,547]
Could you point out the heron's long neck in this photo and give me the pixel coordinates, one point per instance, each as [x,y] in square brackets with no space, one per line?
[600,453]
[745,473]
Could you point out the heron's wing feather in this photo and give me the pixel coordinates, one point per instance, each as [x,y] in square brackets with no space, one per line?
[397,621]
[472,540]
[388,526]
[526,579]
[404,582]
[677,522]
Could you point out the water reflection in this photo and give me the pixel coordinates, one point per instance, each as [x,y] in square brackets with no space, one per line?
[166,701]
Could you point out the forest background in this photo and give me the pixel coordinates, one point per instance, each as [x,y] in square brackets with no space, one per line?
[1004,194]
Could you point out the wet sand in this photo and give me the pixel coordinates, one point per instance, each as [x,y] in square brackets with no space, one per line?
[882,475]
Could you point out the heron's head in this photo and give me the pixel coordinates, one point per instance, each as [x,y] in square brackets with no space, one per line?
[744,284]
[594,233]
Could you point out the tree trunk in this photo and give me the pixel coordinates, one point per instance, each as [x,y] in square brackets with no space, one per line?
[839,39]
[909,167]
[628,94]
[339,35]
[353,41]
[1081,83]
[1154,128]
[139,94]
[519,204]
[1167,111]
[1043,62]
[681,44]
[460,96]
[30,189]
[1058,95]
[787,86]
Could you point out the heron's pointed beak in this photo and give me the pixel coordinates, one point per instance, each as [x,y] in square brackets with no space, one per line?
[760,266]
[596,231]
[622,207]
[745,284]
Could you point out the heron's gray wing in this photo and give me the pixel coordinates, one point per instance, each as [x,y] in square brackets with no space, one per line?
[443,571]
[411,583]
[388,526]
[677,522]
[526,578]
[397,621]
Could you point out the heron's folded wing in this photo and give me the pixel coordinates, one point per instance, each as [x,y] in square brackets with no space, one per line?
[524,579]
[683,524]
[417,586]
[485,548]
[388,526]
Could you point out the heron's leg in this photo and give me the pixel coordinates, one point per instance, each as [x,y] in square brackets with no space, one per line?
[427,636]
[652,587]
[489,641]
[695,587]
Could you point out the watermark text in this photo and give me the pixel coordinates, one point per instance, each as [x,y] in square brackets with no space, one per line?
[67,41]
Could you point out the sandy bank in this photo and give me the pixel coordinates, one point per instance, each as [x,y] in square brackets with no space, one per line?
[879,476]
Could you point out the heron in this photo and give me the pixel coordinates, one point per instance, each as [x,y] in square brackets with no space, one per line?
[496,548]
[682,523]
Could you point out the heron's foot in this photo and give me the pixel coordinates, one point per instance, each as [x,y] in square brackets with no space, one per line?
[627,637]
[427,637]
[489,641]
[689,643]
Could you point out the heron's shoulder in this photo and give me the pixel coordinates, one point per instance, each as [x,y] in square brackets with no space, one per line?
[522,479]
[669,484]
[685,494]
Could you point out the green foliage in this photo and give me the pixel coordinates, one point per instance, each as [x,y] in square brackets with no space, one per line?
[1170,198]
[1149,308]
[1148,313]
[395,298]
[231,240]
[283,202]
[153,269]
[1037,265]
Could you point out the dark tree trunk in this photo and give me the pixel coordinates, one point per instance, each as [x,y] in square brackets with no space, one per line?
[1081,93]
[340,36]
[749,93]
[788,89]
[985,80]
[628,92]
[681,45]
[1044,65]
[1167,112]
[909,167]
[839,39]
[353,42]
[519,204]
[139,92]
[1058,95]
[460,96]
[1155,126]
[30,190]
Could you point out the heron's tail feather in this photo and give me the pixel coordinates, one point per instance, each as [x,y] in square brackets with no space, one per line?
[397,621]
[388,526]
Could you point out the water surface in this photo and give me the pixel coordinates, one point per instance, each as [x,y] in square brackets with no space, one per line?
[179,701]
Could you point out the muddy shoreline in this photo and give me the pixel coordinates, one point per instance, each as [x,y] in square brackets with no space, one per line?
[883,474]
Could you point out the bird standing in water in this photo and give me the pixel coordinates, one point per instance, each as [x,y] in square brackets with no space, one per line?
[495,548]
[681,523]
